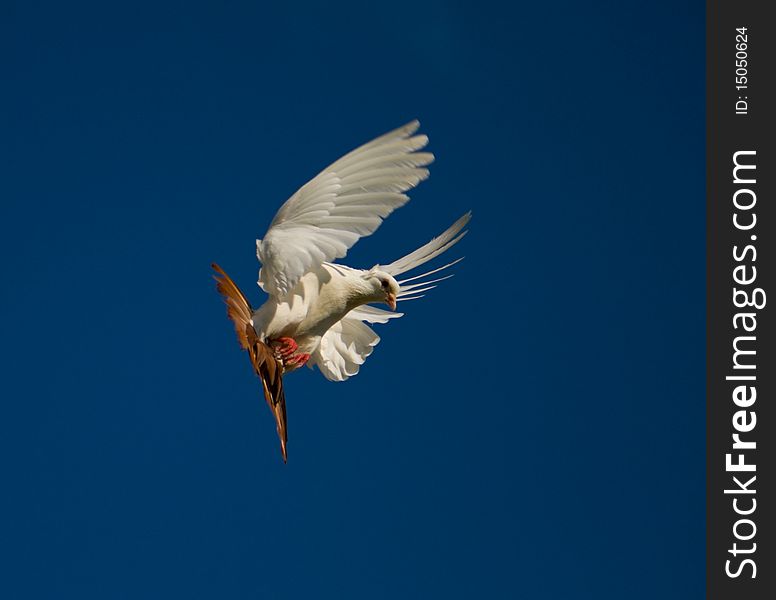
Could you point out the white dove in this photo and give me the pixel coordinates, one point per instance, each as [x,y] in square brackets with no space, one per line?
[317,309]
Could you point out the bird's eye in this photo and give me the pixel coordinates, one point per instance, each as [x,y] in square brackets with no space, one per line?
[384,283]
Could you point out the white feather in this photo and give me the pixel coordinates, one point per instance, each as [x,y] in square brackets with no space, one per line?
[344,348]
[434,248]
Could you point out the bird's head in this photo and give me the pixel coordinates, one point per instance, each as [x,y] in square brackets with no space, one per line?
[384,287]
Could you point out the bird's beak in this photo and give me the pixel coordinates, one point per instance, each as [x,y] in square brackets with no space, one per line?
[390,300]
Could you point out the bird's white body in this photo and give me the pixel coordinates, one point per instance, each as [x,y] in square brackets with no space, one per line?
[322,297]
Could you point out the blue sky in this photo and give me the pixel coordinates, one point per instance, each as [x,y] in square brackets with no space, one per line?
[534,428]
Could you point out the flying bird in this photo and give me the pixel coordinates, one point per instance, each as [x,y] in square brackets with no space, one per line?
[318,311]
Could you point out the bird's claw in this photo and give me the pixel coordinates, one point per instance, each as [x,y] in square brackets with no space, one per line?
[285,348]
[296,361]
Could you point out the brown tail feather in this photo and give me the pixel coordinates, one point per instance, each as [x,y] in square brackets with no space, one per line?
[267,367]
[270,371]
[237,306]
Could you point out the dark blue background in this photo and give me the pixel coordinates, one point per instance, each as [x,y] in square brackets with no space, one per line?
[533,429]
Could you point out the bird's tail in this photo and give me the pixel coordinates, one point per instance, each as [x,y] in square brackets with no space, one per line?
[267,367]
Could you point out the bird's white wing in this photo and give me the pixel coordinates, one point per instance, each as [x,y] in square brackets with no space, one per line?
[344,202]
[348,343]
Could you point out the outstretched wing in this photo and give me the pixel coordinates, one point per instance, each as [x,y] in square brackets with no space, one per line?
[348,343]
[344,202]
[269,370]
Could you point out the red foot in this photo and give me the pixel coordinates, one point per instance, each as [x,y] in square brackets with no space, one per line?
[296,361]
[285,347]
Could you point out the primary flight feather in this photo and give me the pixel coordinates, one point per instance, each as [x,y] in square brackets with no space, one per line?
[317,311]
